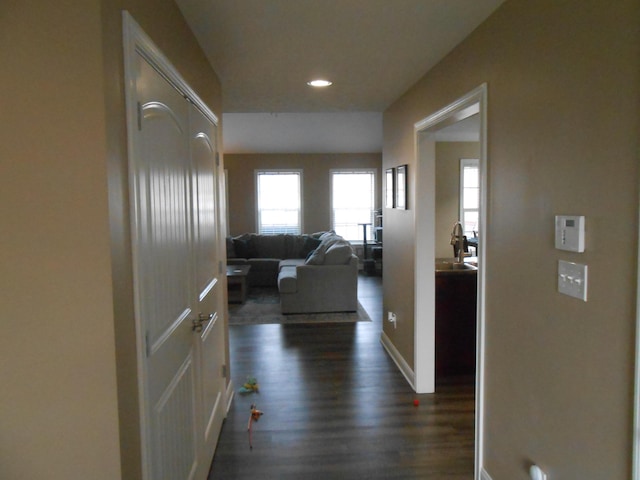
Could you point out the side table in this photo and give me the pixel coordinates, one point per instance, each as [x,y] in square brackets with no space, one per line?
[237,283]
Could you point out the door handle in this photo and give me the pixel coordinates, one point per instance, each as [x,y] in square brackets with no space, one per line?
[198,323]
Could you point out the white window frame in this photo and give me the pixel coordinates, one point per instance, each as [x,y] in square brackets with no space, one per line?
[464,163]
[278,171]
[371,219]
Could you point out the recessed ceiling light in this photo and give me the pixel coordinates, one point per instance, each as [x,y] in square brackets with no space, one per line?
[319,83]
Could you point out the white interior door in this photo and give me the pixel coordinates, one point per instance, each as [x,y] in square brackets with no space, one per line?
[176,244]
[209,340]
[178,284]
[164,276]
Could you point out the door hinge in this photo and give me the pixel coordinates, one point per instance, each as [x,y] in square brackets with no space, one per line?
[217,159]
[224,371]
[139,116]
[220,267]
[147,348]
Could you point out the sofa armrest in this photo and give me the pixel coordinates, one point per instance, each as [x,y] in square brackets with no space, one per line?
[323,288]
[310,275]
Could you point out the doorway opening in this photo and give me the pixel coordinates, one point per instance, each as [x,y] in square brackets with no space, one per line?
[428,132]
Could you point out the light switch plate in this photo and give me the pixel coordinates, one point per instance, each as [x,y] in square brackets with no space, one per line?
[572,279]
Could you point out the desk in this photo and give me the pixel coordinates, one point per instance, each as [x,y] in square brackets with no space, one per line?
[237,283]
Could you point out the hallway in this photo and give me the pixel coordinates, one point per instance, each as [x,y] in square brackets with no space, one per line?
[336,407]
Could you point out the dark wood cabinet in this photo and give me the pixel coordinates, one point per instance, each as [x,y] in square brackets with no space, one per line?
[456,300]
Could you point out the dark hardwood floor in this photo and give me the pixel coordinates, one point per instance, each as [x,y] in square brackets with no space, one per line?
[336,407]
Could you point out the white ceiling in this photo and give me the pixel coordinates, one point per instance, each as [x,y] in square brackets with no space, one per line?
[265,51]
[349,132]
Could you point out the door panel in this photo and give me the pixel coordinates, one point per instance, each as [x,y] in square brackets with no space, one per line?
[209,345]
[174,414]
[164,281]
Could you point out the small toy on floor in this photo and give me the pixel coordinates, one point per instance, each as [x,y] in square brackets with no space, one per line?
[250,386]
[254,417]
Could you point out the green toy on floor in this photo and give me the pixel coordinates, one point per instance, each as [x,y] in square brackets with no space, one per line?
[250,386]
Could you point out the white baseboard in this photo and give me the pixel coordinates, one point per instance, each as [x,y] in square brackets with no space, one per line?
[229,394]
[484,475]
[398,359]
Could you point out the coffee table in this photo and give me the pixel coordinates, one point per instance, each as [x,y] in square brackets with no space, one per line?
[237,286]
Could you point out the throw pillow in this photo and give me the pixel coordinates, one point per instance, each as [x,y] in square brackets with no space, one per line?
[338,254]
[315,257]
[244,248]
[328,234]
[231,251]
[308,246]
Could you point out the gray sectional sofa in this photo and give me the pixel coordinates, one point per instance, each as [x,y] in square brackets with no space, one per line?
[313,273]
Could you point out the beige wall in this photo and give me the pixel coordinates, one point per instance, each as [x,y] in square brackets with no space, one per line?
[69,391]
[59,412]
[316,188]
[448,155]
[563,122]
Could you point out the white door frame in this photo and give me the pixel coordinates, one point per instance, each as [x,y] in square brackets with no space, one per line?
[136,42]
[424,362]
[636,400]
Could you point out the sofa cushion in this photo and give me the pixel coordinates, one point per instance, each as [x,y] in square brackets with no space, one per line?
[290,262]
[270,246]
[287,280]
[237,261]
[338,254]
[264,264]
[245,247]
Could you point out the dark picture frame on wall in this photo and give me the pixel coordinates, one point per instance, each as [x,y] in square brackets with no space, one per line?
[389,186]
[401,187]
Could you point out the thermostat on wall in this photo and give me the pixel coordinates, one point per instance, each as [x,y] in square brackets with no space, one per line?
[570,233]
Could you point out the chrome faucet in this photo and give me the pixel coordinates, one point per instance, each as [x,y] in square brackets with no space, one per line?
[457,237]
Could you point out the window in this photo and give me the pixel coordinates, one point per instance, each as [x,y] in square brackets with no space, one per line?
[469,196]
[352,202]
[278,201]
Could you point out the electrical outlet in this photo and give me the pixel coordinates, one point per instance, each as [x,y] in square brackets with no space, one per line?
[392,318]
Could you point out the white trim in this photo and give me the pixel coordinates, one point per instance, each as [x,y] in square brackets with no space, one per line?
[207,289]
[471,103]
[398,359]
[371,171]
[484,475]
[424,277]
[459,110]
[299,172]
[229,395]
[635,448]
[482,283]
[137,41]
[133,38]
[466,163]
[168,332]
[211,422]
